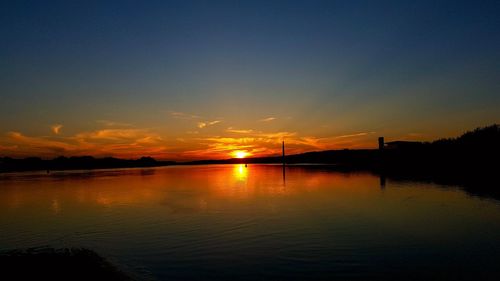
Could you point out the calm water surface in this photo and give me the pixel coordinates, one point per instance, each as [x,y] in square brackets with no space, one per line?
[228,222]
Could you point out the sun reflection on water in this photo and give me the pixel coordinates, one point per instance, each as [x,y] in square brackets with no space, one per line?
[240,172]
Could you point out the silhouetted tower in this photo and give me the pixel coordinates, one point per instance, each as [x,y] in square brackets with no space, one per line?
[283,149]
[381,143]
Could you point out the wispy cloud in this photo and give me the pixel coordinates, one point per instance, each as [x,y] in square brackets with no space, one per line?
[56,129]
[202,125]
[268,119]
[258,143]
[38,145]
[8,147]
[236,131]
[131,142]
[112,134]
[109,123]
[200,121]
[357,140]
[124,143]
[183,115]
[253,142]
[354,135]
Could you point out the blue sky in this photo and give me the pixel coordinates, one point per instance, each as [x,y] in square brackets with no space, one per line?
[325,74]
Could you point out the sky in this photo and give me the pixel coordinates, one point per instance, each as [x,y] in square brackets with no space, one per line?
[185,80]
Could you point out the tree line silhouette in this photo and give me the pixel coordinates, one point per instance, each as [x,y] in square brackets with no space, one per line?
[473,151]
[76,163]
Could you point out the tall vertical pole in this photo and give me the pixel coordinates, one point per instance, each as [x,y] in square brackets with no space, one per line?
[381,161]
[283,149]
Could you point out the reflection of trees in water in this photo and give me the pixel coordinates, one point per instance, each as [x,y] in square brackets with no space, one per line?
[70,175]
[473,184]
[147,172]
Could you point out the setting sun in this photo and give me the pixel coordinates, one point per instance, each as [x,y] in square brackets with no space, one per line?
[240,154]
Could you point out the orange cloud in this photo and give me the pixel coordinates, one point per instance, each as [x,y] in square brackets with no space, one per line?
[109,123]
[253,142]
[258,143]
[182,115]
[125,143]
[37,145]
[354,135]
[202,125]
[130,142]
[268,119]
[113,134]
[231,130]
[56,129]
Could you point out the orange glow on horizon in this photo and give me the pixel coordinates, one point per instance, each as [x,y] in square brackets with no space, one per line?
[134,143]
[240,154]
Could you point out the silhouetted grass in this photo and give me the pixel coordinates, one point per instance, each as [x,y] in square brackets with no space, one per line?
[57,264]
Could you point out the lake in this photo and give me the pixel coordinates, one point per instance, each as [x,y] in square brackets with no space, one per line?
[261,222]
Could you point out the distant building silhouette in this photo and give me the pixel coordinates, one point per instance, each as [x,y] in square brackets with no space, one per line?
[381,143]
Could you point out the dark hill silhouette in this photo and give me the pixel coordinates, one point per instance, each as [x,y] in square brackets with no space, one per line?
[474,151]
[470,161]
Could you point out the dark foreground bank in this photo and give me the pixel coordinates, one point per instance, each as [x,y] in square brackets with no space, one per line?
[57,264]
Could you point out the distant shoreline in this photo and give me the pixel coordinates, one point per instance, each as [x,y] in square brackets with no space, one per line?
[474,152]
[90,163]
